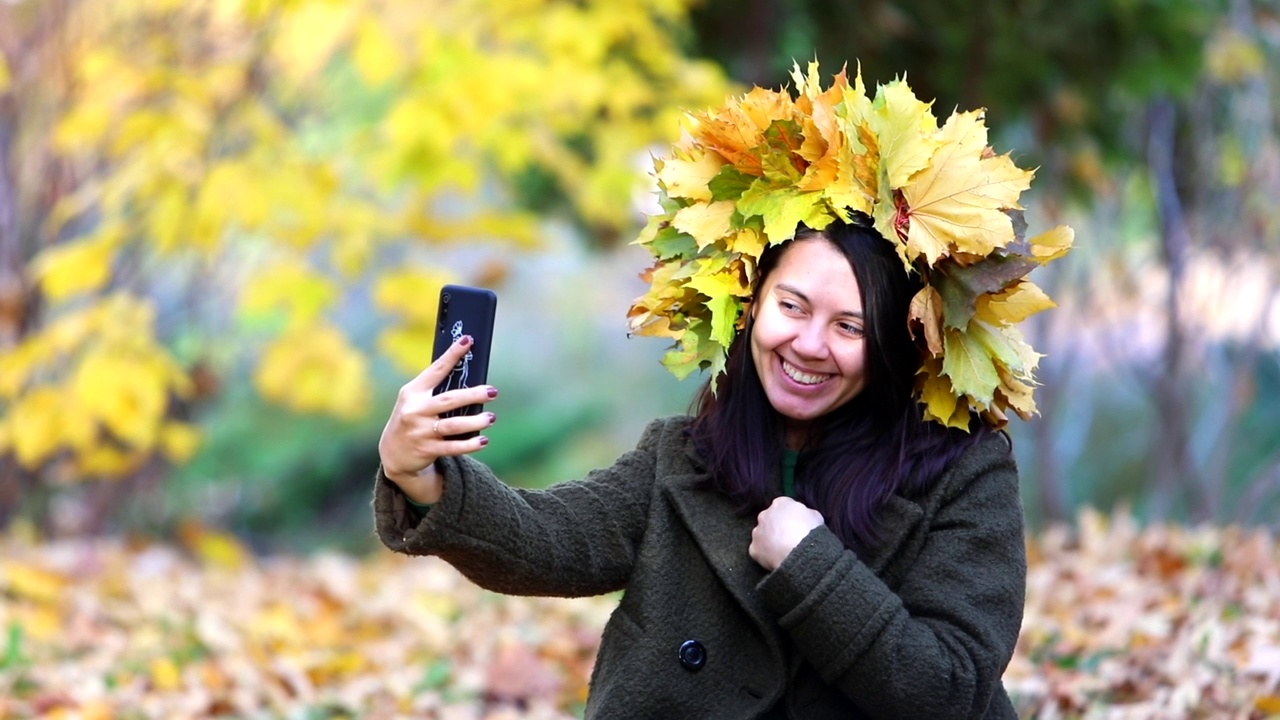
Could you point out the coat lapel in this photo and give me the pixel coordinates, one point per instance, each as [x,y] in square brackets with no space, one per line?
[723,537]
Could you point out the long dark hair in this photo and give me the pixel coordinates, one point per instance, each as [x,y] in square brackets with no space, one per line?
[857,456]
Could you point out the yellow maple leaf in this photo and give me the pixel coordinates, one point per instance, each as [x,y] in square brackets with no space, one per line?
[939,397]
[849,189]
[1015,304]
[689,176]
[961,196]
[1014,393]
[906,129]
[705,222]
[1052,244]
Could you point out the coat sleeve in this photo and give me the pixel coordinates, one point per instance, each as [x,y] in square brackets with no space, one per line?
[573,539]
[938,646]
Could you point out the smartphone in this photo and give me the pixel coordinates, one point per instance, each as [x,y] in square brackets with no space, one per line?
[465,311]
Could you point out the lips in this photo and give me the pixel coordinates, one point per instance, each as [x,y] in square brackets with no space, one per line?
[802,377]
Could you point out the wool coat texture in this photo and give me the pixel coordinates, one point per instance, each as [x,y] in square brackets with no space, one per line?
[920,626]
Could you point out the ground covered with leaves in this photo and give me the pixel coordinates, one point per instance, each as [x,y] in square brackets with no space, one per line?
[1121,622]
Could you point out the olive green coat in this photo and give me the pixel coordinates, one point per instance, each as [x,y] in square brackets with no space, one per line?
[920,627]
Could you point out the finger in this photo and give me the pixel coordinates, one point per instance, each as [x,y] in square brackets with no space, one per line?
[463,447]
[462,424]
[433,374]
[452,400]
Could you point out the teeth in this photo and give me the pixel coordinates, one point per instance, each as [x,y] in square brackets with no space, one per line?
[801,377]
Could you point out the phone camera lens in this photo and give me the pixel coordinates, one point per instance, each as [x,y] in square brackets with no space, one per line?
[445,298]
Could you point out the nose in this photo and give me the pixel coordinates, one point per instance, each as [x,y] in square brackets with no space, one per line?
[810,341]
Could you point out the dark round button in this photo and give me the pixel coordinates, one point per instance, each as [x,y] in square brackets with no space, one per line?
[693,655]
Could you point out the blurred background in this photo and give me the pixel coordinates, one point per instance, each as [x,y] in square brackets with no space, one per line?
[224,224]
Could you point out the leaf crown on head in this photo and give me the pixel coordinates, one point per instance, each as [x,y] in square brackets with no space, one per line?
[746,175]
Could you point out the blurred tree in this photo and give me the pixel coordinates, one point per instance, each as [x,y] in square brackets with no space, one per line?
[187,184]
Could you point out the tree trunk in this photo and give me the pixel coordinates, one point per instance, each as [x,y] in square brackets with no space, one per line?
[1171,459]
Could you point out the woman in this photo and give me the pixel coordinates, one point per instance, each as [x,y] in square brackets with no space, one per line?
[806,545]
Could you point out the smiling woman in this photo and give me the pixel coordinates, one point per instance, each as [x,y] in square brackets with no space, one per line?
[835,531]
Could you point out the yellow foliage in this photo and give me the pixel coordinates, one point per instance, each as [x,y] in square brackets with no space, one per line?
[179,441]
[214,548]
[375,54]
[31,581]
[35,422]
[165,675]
[307,35]
[77,267]
[126,392]
[411,293]
[291,288]
[116,387]
[5,77]
[202,125]
[314,369]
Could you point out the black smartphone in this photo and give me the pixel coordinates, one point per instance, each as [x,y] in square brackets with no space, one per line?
[465,311]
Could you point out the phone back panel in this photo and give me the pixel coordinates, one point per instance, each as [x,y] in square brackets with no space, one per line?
[465,311]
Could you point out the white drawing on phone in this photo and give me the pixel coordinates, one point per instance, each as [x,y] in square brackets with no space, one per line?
[463,368]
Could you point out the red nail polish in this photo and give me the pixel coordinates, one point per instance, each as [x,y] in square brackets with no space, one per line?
[483,441]
[492,418]
[465,340]
[492,392]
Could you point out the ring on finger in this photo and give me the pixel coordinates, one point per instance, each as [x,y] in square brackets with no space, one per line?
[436,429]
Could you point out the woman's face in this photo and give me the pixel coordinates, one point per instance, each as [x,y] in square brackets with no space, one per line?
[807,339]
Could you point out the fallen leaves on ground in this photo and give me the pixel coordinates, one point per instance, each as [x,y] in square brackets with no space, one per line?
[1121,622]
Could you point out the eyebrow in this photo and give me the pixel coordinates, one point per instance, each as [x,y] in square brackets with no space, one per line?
[796,291]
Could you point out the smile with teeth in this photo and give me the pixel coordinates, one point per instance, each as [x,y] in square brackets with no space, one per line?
[801,377]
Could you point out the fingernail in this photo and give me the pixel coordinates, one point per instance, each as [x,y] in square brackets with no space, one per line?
[483,441]
[492,418]
[492,392]
[465,340]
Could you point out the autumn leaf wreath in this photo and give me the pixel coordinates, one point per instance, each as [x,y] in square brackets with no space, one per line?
[743,176]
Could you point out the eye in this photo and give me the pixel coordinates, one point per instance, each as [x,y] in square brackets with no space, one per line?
[851,329]
[789,306]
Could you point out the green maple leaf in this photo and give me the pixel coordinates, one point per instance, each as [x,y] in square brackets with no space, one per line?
[783,209]
[695,351]
[730,184]
[724,290]
[669,243]
[969,366]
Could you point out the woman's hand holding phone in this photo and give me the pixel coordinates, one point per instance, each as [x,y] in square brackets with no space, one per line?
[417,433]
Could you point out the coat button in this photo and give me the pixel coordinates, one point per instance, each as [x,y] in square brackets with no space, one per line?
[693,655]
